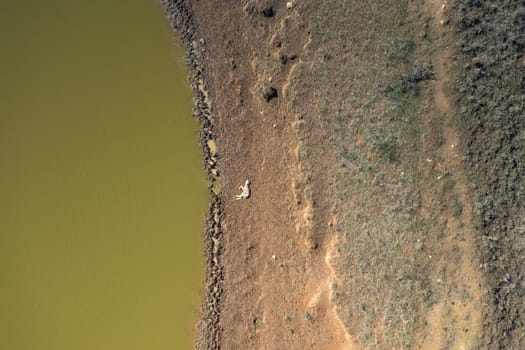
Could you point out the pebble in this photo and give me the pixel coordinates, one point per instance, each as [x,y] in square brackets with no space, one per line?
[212,146]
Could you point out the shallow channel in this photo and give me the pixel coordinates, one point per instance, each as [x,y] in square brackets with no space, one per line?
[102,192]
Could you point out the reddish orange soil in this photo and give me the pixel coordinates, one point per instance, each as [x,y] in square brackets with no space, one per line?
[277,280]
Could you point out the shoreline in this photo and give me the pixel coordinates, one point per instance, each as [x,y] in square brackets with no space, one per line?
[180,17]
[280,248]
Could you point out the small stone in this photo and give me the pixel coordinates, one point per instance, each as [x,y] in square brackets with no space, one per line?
[274,257]
[212,146]
[268,12]
[269,93]
[289,5]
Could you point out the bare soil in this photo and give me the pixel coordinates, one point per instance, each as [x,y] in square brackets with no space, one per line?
[368,224]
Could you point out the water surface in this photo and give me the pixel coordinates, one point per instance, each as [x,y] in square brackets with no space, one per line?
[101,189]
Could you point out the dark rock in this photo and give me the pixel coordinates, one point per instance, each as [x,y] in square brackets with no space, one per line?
[269,93]
[268,12]
[283,59]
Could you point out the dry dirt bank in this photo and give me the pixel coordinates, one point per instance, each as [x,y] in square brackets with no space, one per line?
[363,229]
[276,271]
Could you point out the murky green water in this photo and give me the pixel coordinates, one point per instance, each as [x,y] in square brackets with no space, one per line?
[101,189]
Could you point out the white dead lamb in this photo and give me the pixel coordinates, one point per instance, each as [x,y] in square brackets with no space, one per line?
[245,191]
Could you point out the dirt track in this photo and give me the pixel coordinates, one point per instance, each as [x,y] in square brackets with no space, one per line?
[332,251]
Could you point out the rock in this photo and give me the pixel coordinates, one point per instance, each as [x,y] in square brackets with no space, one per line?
[445,21]
[269,93]
[212,146]
[268,12]
[289,5]
[283,59]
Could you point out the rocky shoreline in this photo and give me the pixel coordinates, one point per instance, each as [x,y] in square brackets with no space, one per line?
[180,16]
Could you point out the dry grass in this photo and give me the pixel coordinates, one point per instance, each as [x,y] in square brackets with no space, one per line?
[490,85]
[371,114]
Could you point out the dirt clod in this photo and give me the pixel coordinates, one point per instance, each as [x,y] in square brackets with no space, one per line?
[268,12]
[269,93]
